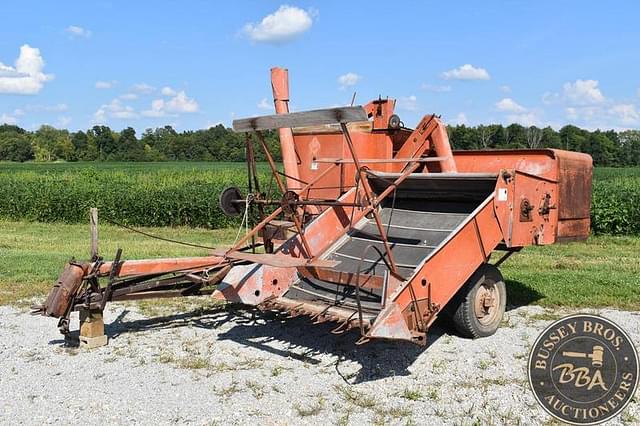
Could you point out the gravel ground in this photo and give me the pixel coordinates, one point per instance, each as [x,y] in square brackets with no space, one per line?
[217,365]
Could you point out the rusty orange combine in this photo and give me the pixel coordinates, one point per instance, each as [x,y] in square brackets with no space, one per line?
[379,227]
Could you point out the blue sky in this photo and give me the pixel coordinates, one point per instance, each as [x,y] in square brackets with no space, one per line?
[193,64]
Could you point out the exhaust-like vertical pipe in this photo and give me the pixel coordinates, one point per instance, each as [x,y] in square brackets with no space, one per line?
[442,148]
[280,87]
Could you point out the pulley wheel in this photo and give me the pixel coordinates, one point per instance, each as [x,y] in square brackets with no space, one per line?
[394,122]
[227,198]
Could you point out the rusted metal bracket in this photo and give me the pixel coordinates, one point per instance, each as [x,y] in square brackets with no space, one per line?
[115,267]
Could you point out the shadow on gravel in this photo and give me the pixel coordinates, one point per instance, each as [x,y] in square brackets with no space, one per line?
[295,338]
[520,294]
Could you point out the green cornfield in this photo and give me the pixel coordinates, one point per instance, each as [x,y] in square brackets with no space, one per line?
[616,201]
[173,194]
[140,194]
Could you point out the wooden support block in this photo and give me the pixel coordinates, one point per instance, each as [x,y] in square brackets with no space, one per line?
[93,342]
[92,329]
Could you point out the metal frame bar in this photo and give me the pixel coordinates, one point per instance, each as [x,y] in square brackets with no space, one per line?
[380,160]
[369,195]
[283,189]
[339,115]
[276,212]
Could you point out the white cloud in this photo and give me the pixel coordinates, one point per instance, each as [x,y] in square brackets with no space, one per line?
[435,88]
[63,121]
[509,105]
[461,118]
[583,92]
[550,98]
[77,32]
[26,77]
[143,88]
[626,114]
[638,93]
[7,119]
[466,72]
[349,79]
[48,108]
[114,109]
[18,112]
[264,104]
[180,103]
[157,109]
[128,96]
[505,89]
[526,119]
[408,103]
[285,24]
[105,84]
[585,114]
[168,91]
[619,116]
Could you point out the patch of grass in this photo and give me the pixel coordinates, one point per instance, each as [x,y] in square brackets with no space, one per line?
[243,364]
[233,388]
[354,397]
[277,370]
[605,274]
[256,388]
[344,419]
[310,410]
[412,394]
[484,364]
[194,363]
[545,316]
[628,418]
[399,412]
[167,358]
[440,412]
[33,254]
[506,322]
[433,394]
[439,365]
[499,381]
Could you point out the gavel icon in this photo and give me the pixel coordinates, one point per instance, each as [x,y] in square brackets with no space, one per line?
[596,355]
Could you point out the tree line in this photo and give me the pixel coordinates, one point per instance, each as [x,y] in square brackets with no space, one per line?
[100,143]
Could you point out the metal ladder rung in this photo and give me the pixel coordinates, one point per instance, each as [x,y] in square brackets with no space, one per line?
[401,265]
[411,227]
[393,244]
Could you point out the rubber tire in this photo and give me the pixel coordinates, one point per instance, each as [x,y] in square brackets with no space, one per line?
[462,311]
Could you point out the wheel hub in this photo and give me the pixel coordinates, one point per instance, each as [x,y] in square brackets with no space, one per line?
[486,303]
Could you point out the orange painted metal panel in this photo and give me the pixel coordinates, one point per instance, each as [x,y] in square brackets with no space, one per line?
[574,198]
[160,266]
[310,147]
[539,162]
[242,282]
[443,273]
